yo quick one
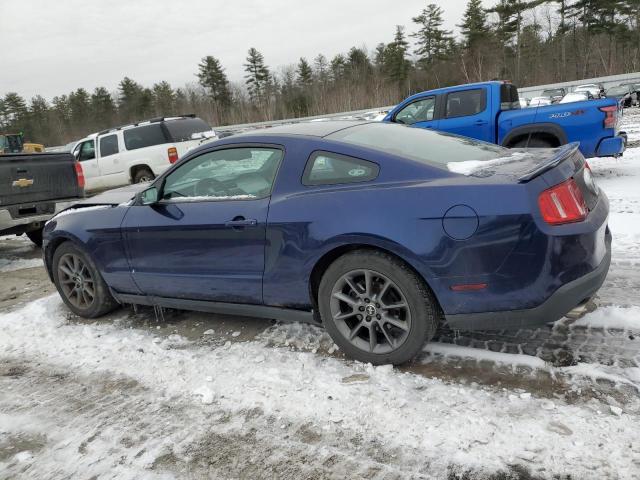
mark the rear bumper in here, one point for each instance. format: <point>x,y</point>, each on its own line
<point>564,299</point>
<point>612,146</point>
<point>21,224</point>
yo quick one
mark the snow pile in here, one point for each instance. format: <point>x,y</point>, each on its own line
<point>13,264</point>
<point>436,422</point>
<point>470,167</point>
<point>613,317</point>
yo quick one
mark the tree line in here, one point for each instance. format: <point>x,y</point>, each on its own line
<point>528,42</point>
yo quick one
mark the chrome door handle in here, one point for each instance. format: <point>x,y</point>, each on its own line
<point>242,222</point>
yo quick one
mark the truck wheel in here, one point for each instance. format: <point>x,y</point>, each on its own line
<point>36,236</point>
<point>143,175</point>
<point>532,143</point>
<point>376,309</point>
<point>79,282</point>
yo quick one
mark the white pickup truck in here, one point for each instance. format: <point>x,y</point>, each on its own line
<point>138,152</point>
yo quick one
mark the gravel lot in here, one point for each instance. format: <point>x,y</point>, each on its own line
<point>190,395</point>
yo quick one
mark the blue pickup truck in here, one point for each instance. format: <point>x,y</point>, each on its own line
<point>490,111</point>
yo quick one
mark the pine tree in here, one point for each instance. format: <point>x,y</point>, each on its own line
<point>321,68</point>
<point>212,77</point>
<point>304,74</point>
<point>130,100</point>
<point>102,107</point>
<point>473,28</point>
<point>258,76</point>
<point>164,99</point>
<point>433,42</point>
<point>337,67</point>
<point>395,58</point>
<point>13,111</point>
<point>79,102</point>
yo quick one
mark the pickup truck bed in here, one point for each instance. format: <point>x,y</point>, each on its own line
<point>34,187</point>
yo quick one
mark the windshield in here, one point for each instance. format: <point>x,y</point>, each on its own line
<point>181,129</point>
<point>435,148</point>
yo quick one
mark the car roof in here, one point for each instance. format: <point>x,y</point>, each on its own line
<point>312,129</point>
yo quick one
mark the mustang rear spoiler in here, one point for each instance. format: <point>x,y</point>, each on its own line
<point>562,154</point>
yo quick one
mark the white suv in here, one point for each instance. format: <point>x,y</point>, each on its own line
<point>138,152</point>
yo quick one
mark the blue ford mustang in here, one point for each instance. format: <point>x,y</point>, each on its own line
<point>378,231</point>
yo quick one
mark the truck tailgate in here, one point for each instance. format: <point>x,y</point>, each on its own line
<point>40,177</point>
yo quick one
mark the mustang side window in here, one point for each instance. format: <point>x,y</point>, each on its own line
<point>418,111</point>
<point>325,168</point>
<point>233,174</point>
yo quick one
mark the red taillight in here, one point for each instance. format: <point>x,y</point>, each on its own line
<point>563,203</point>
<point>610,116</point>
<point>79,175</point>
<point>173,154</point>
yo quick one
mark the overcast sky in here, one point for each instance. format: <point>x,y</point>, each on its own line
<point>51,47</point>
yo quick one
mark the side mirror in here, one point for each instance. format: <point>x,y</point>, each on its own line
<point>148,196</point>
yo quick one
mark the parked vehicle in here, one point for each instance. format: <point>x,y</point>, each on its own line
<point>595,89</point>
<point>554,94</point>
<point>635,88</point>
<point>540,101</point>
<point>577,97</point>
<point>34,187</point>
<point>623,94</point>
<point>490,111</point>
<point>138,152</point>
<point>14,143</point>
<point>379,231</point>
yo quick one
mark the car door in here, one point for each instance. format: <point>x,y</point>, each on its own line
<point>466,113</point>
<point>85,153</point>
<point>418,113</point>
<point>111,168</point>
<point>204,239</point>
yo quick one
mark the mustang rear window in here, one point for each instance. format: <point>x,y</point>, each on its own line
<point>435,148</point>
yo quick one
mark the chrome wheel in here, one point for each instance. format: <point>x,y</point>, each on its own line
<point>76,281</point>
<point>370,311</point>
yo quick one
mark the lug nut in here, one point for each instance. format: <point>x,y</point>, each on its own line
<point>366,300</point>
<point>361,308</point>
<point>377,305</point>
<point>378,316</point>
<point>368,318</point>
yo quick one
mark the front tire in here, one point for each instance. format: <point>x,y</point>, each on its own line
<point>376,309</point>
<point>143,175</point>
<point>79,282</point>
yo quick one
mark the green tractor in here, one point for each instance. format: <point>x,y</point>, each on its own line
<point>14,143</point>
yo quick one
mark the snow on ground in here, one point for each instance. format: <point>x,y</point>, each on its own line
<point>429,424</point>
<point>14,249</point>
<point>105,400</point>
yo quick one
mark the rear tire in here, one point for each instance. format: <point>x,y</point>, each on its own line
<point>79,282</point>
<point>143,175</point>
<point>36,236</point>
<point>532,143</point>
<point>376,309</point>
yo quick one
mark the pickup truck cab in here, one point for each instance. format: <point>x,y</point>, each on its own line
<point>138,152</point>
<point>490,111</point>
